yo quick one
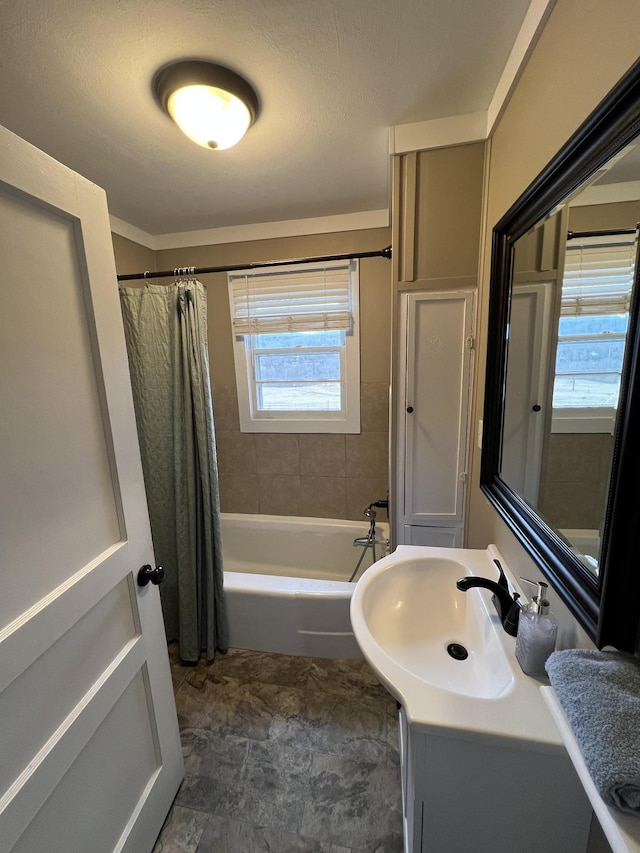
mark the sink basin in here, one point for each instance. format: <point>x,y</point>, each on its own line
<point>411,610</point>
<point>406,611</point>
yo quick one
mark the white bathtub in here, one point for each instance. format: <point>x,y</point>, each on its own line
<point>285,582</point>
<point>586,544</point>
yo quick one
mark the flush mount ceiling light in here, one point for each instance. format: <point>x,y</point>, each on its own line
<point>213,105</point>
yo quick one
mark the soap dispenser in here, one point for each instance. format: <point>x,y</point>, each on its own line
<point>537,631</point>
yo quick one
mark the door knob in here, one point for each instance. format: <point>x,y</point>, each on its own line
<point>536,408</point>
<point>148,573</point>
<point>409,409</point>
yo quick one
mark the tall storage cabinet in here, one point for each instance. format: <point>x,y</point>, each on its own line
<point>435,347</point>
<point>437,211</point>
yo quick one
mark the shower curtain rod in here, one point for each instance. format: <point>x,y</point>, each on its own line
<point>189,271</point>
<point>612,232</point>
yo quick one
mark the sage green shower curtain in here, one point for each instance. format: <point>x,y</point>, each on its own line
<point>166,333</point>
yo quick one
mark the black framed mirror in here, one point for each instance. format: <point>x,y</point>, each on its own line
<point>561,438</point>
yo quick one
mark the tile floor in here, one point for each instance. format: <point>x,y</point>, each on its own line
<point>284,755</point>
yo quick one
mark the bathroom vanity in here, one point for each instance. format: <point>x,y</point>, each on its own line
<point>484,768</point>
<point>463,794</point>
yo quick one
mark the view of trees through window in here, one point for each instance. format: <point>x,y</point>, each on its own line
<point>589,360</point>
<point>298,371</point>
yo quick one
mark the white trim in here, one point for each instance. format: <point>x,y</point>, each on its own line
<point>438,133</point>
<point>533,24</point>
<point>347,421</point>
<point>132,232</point>
<point>607,194</point>
<point>361,221</point>
<point>600,421</point>
<point>272,230</point>
<point>477,126</point>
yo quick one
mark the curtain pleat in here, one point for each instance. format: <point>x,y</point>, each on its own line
<point>166,334</point>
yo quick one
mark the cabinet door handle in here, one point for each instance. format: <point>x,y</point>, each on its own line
<point>409,409</point>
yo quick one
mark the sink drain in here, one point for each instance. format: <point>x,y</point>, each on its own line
<point>457,651</point>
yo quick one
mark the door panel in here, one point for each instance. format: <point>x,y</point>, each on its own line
<point>102,634</point>
<point>526,387</point>
<point>54,423</point>
<point>88,729</point>
<point>433,416</point>
<point>436,537</point>
<point>120,782</point>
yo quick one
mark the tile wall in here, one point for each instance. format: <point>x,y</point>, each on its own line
<point>575,479</point>
<point>318,475</point>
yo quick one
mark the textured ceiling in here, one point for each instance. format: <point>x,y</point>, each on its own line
<point>332,77</point>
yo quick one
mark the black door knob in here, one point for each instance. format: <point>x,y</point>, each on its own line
<point>536,408</point>
<point>148,573</point>
<point>409,409</point>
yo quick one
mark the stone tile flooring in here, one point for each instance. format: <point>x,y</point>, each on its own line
<point>284,755</point>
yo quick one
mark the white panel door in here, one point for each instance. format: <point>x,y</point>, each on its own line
<point>89,743</point>
<point>436,537</point>
<point>526,394</point>
<point>436,341</point>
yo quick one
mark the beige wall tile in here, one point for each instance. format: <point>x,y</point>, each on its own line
<point>362,491</point>
<point>606,456</point>
<point>573,457</point>
<point>368,455</point>
<point>322,455</point>
<point>323,497</point>
<point>573,505</point>
<point>239,493</point>
<point>279,494</point>
<point>277,453</point>
<point>236,452</point>
<point>225,407</point>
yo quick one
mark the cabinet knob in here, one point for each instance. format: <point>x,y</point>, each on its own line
<point>409,409</point>
<point>536,408</point>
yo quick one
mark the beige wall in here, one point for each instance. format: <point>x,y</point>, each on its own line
<point>131,257</point>
<point>584,49</point>
<point>437,209</point>
<point>334,476</point>
<point>437,213</point>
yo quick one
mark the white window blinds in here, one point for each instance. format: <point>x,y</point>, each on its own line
<point>300,299</point>
<point>598,276</point>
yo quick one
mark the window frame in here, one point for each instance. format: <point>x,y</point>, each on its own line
<point>347,420</point>
<point>593,419</point>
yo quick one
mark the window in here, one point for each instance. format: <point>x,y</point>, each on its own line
<point>594,315</point>
<point>296,347</point>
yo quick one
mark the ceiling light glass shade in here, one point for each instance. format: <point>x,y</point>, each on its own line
<point>211,117</point>
<point>211,104</point>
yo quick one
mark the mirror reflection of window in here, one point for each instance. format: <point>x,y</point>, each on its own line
<point>569,314</point>
<point>594,316</point>
<point>596,287</point>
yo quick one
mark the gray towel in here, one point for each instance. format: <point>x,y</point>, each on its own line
<point>600,694</point>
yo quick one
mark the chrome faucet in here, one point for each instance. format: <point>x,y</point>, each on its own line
<point>507,606</point>
<point>368,541</point>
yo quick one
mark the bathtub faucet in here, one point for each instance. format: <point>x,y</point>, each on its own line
<point>507,606</point>
<point>369,511</point>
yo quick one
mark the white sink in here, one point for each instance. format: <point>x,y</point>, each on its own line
<point>413,612</point>
<point>406,611</point>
